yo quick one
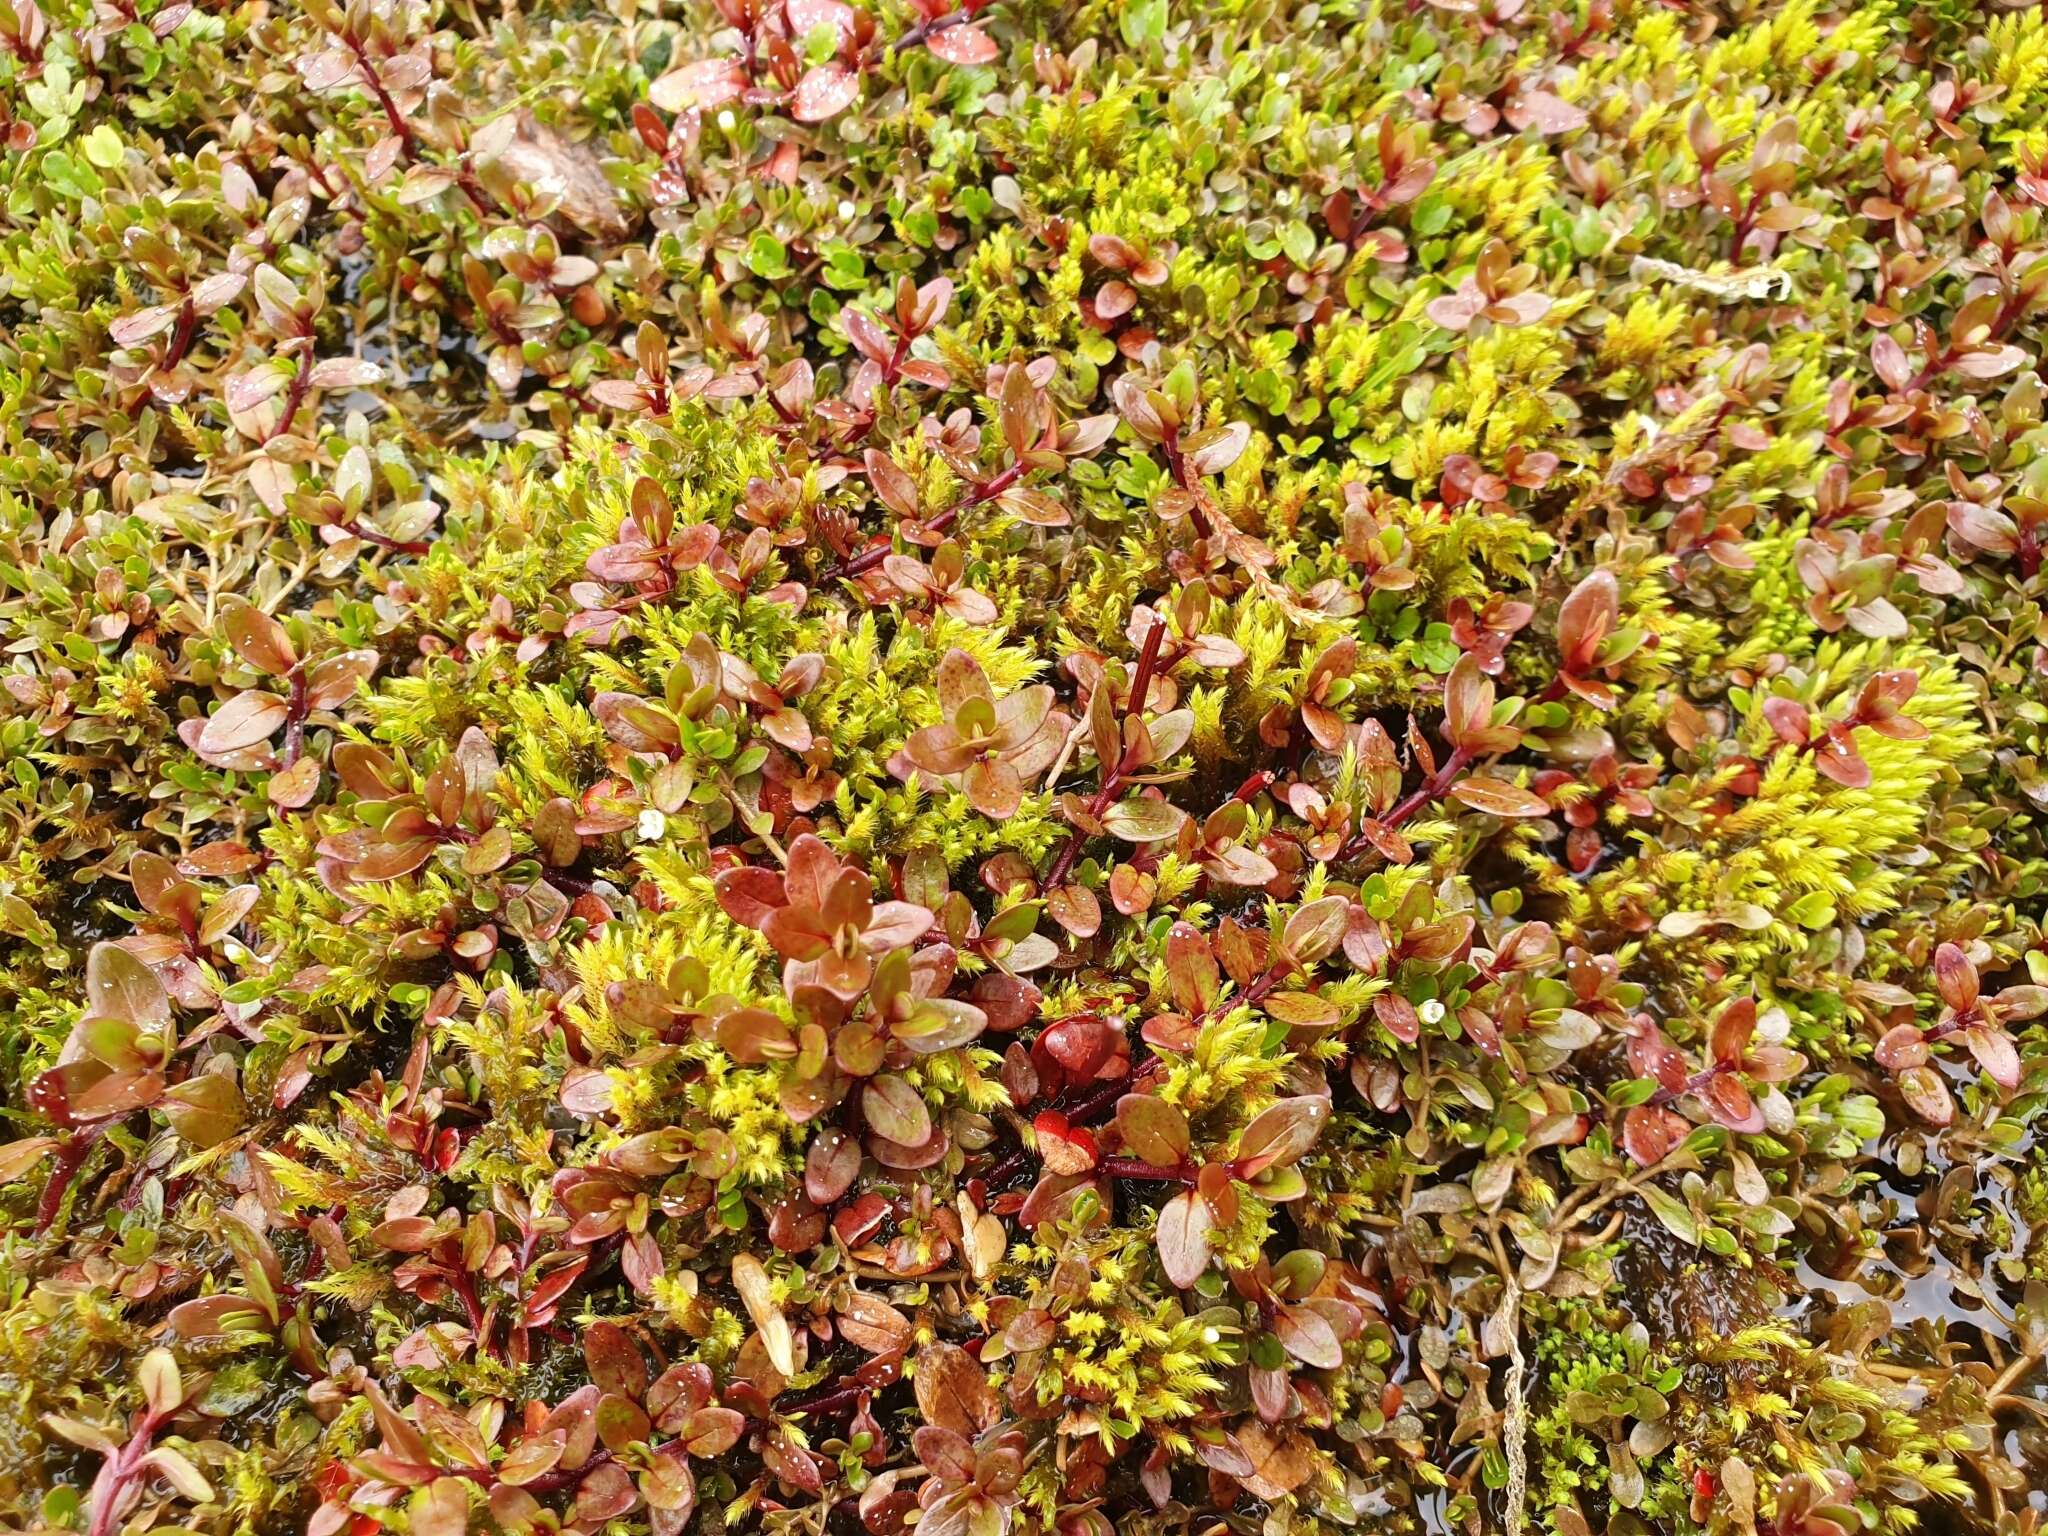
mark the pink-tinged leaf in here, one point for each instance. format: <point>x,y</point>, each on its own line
<point>1497,797</point>
<point>1182,1238</point>
<point>614,1360</point>
<point>1650,1134</point>
<point>1788,719</point>
<point>1837,759</point>
<point>1308,1336</point>
<point>962,45</point>
<point>333,682</point>
<point>1545,112</point>
<point>1990,362</point>
<point>712,1431</point>
<point>1281,1134</point>
<point>1398,1017</point>
<point>119,986</point>
<point>1076,909</point>
<point>830,1166</point>
<point>1455,311</point>
<point>620,395</point>
<point>143,324</point>
<point>1729,1099</point>
<point>1215,449</point>
<point>17,1158</point>
<point>698,87</point>
<point>1732,1029</point>
<point>212,1317</point>
<point>586,1092</point>
<point>1927,1095</point>
<point>242,722</point>
<point>1235,864</point>
<point>1888,361</point>
<point>1956,977</point>
<point>2025,1001</point>
<point>1984,528</point>
<point>750,894</point>
<point>344,373</point>
<point>1902,1047</point>
<point>531,1457</point>
<point>506,367</point>
<point>896,1111</point>
<point>1996,1054</point>
<point>868,338</point>
<point>1468,702</point>
<point>953,1391</point>
<point>1141,820</point>
<point>257,638</point>
<point>893,488</point>
<point>1588,616</point>
<point>806,16</point>
<point>1153,1130</point>
<point>1315,929</point>
<point>824,92</point>
<point>221,289</point>
<point>325,70</point>
<point>1114,300</point>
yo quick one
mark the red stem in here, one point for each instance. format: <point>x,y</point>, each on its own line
<point>385,541</point>
<point>302,379</point>
<point>1132,1168</point>
<point>392,115</point>
<point>873,556</point>
<point>1112,775</point>
<point>1432,787</point>
<point>295,717</point>
<point>117,1472</point>
<point>1171,443</point>
<point>181,338</point>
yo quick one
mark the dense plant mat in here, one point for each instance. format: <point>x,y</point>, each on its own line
<point>1104,767</point>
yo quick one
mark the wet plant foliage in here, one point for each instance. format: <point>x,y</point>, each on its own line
<point>1117,768</point>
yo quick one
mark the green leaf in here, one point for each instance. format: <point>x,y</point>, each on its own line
<point>1142,821</point>
<point>103,147</point>
<point>1675,1214</point>
<point>1143,22</point>
<point>767,257</point>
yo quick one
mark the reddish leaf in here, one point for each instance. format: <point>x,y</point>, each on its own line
<point>953,1391</point>
<point>1182,1237</point>
<point>244,721</point>
<point>824,92</point>
<point>1996,1054</point>
<point>1308,1336</point>
<point>698,87</point>
<point>1927,1095</point>
<point>1064,1148</point>
<point>1496,797</point>
<point>896,1111</point>
<point>1153,1130</point>
<point>1732,1029</point>
<point>1956,977</point>
<point>1281,1135</point>
<point>830,1166</point>
<point>1728,1097</point>
<point>962,45</point>
<point>1650,1134</point>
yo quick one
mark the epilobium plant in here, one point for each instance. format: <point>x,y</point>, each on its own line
<point>966,768</point>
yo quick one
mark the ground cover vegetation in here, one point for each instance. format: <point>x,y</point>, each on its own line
<point>818,767</point>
